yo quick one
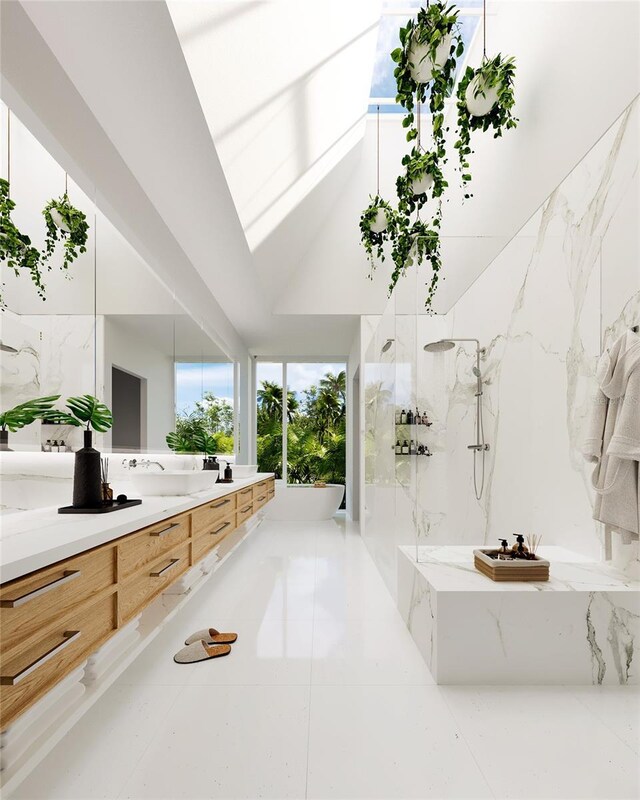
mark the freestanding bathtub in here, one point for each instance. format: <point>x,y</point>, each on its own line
<point>300,503</point>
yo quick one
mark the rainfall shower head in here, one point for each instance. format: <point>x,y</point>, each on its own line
<point>387,345</point>
<point>440,346</point>
<point>6,348</point>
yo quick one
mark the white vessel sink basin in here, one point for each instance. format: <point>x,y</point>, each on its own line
<point>172,482</point>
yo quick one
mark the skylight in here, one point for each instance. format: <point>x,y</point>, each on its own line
<point>394,16</point>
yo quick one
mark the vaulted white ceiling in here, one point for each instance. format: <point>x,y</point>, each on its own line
<point>228,141</point>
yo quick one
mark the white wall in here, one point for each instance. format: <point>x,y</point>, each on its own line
<point>138,356</point>
<point>569,283</point>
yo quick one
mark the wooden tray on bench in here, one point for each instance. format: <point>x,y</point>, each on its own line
<point>513,570</point>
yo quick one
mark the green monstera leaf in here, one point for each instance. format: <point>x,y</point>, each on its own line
<point>24,414</point>
<point>90,411</point>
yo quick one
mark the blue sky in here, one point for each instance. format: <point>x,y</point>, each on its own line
<point>194,379</point>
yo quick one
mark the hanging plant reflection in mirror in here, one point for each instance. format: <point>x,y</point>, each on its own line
<point>485,100</point>
<point>378,223</point>
<point>430,45</point>
<point>67,224</point>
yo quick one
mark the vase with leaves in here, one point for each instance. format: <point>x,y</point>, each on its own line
<point>88,412</point>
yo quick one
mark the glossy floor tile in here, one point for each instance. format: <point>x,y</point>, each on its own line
<point>325,695</point>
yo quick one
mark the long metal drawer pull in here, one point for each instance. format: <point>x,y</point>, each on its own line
<point>246,491</point>
<point>221,528</point>
<point>69,575</point>
<point>11,680</point>
<point>244,510</point>
<point>169,566</point>
<point>219,505</point>
<point>165,530</point>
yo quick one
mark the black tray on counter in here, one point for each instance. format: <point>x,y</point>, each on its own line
<point>113,506</point>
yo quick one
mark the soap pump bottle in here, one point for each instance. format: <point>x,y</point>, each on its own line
<point>228,473</point>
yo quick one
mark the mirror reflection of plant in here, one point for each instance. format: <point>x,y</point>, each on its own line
<point>496,73</point>
<point>373,241</point>
<point>67,224</point>
<point>416,243</point>
<point>430,28</point>
<point>418,164</point>
<point>211,418</point>
<point>16,250</point>
<point>25,413</point>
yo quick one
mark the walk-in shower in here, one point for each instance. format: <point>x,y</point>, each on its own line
<point>480,446</point>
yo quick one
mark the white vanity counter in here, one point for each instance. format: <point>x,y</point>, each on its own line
<point>30,540</point>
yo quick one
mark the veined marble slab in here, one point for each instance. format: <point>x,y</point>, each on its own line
<point>577,628</point>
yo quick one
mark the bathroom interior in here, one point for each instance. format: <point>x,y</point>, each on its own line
<point>319,433</point>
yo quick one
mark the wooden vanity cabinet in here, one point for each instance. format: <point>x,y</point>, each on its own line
<point>52,619</point>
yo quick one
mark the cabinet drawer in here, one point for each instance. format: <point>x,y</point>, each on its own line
<point>140,549</point>
<point>32,604</point>
<point>244,512</point>
<point>30,672</point>
<point>260,489</point>
<point>204,517</point>
<point>140,589</point>
<point>244,496</point>
<point>206,540</point>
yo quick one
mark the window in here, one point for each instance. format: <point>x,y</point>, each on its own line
<point>205,401</point>
<point>309,444</point>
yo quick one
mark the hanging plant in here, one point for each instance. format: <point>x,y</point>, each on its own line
<point>67,224</point>
<point>430,44</point>
<point>16,250</point>
<point>377,225</point>
<point>485,100</point>
<point>422,179</point>
<point>415,244</point>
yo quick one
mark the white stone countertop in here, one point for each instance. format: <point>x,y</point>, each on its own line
<point>30,540</point>
<point>450,568</point>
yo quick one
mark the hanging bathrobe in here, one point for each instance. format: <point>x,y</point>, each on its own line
<point>614,436</point>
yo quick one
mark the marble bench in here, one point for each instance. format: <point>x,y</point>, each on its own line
<point>577,628</point>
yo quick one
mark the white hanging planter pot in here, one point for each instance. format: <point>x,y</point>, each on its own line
<point>422,185</point>
<point>423,64</point>
<point>481,104</point>
<point>58,221</point>
<point>380,223</point>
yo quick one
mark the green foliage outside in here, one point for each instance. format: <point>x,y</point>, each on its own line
<point>316,429</point>
<point>208,428</point>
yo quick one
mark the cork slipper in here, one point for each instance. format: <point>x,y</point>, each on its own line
<point>212,636</point>
<point>199,651</point>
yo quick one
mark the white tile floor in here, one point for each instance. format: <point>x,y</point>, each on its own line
<point>326,696</point>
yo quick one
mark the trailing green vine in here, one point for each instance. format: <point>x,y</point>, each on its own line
<point>16,250</point>
<point>67,224</point>
<point>373,240</point>
<point>495,74</point>
<point>416,68</point>
<point>415,244</point>
<point>418,164</point>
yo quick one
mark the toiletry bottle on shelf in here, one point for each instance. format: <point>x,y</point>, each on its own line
<point>403,417</point>
<point>398,447</point>
<point>409,417</point>
<point>54,446</point>
<point>47,446</point>
<point>62,447</point>
<point>417,418</point>
<point>425,419</point>
<point>412,448</point>
<point>405,448</point>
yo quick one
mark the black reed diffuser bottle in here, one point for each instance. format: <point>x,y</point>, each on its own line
<point>87,478</point>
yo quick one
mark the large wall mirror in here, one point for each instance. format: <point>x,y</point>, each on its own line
<point>104,325</point>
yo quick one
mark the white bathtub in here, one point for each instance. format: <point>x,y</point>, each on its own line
<point>301,503</point>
